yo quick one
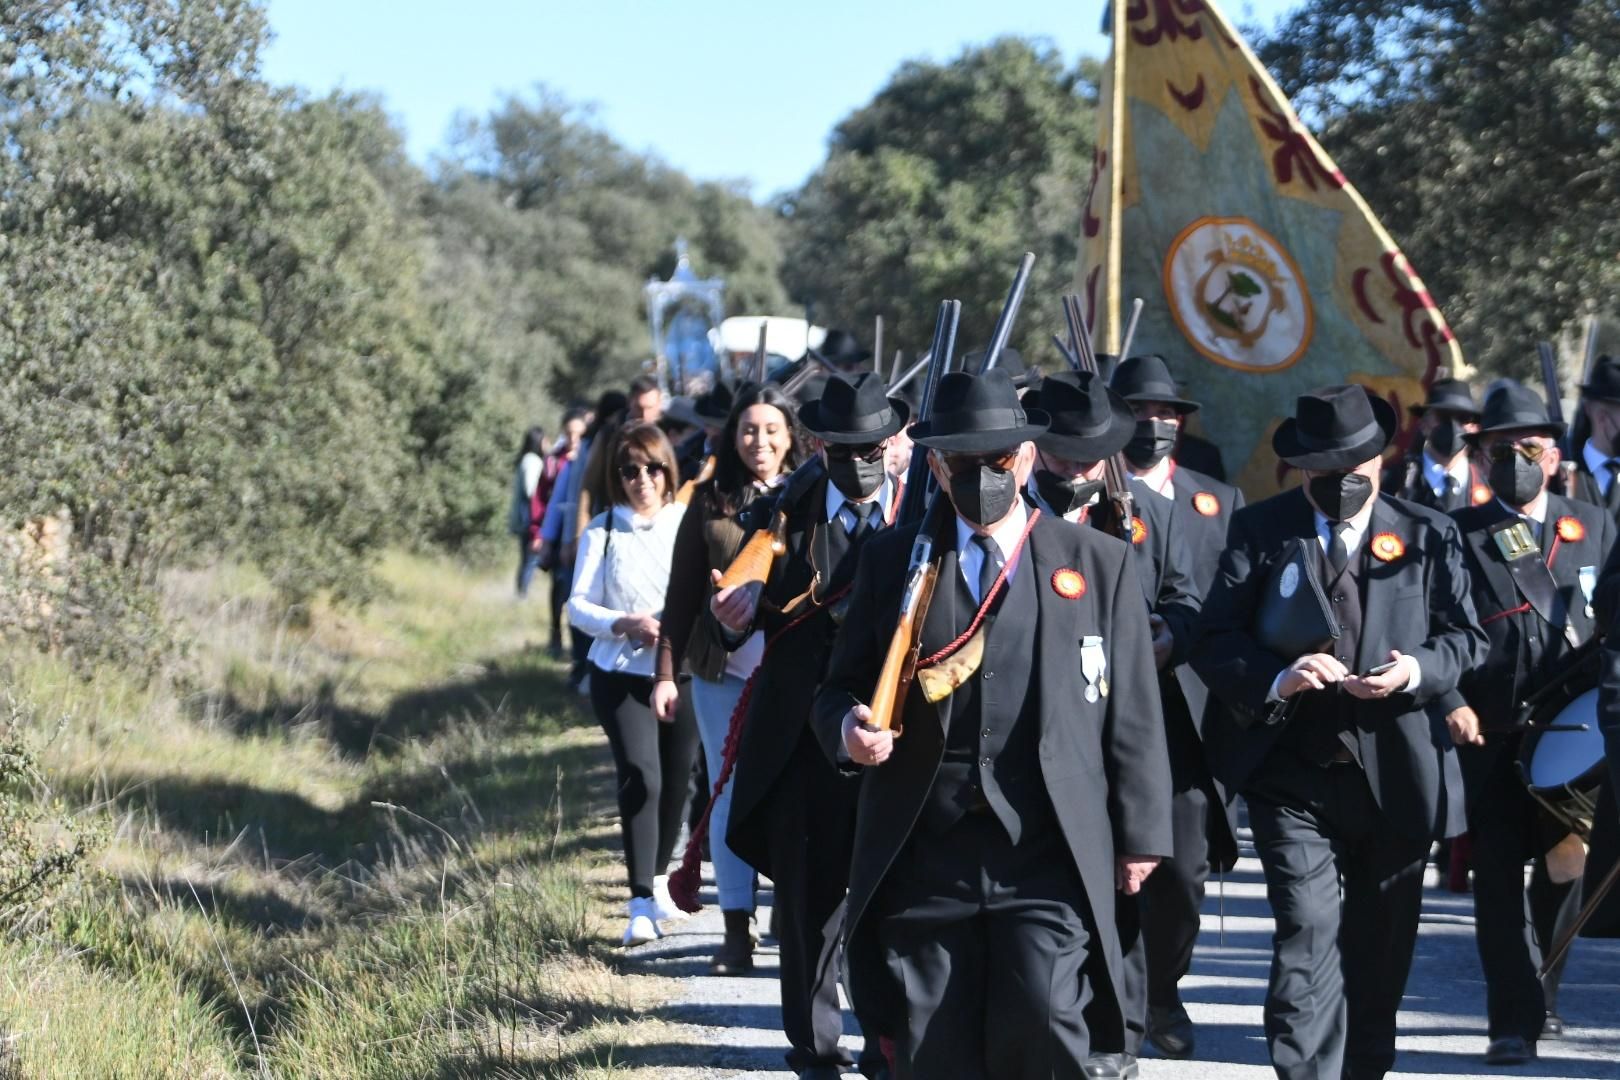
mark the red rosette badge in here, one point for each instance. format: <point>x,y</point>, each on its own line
<point>1387,547</point>
<point>1570,530</point>
<point>1068,583</point>
<point>1138,530</point>
<point>1206,503</point>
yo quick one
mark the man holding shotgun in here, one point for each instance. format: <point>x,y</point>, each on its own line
<point>1031,781</point>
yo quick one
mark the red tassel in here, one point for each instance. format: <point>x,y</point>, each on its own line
<point>688,877</point>
<point>886,1045</point>
<point>1462,854</point>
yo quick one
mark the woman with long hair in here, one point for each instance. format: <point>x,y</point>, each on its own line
<point>563,453</point>
<point>760,445</point>
<point>620,576</point>
<point>528,508</point>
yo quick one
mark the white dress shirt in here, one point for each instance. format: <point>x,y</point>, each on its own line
<point>969,556</point>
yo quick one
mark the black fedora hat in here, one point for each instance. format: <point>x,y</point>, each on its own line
<point>1012,362</point>
<point>1603,382</point>
<point>1451,395</point>
<point>977,414</point>
<point>841,349</point>
<point>1336,427</point>
<point>1087,419</point>
<point>714,405</point>
<point>1148,378</point>
<point>854,410</point>
<point>1513,406</point>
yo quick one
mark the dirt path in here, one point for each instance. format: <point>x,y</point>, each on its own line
<point>729,1027</point>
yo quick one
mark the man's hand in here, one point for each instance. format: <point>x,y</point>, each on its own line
<point>1375,687</point>
<point>864,745</point>
<point>1131,870</point>
<point>1163,640</point>
<point>734,607</point>
<point>1313,671</point>
<point>641,628</point>
<point>665,696</point>
<point>1464,726</point>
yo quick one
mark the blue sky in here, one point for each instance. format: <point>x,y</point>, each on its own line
<point>723,89</point>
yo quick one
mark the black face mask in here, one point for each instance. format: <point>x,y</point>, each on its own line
<point>1446,439</point>
<point>983,495</point>
<point>1340,495</point>
<point>1065,495</point>
<point>855,478</point>
<point>1516,481</point>
<point>1152,443</point>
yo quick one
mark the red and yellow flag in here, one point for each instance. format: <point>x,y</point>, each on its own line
<point>1264,272</point>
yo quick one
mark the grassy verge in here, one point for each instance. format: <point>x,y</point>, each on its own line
<point>338,843</point>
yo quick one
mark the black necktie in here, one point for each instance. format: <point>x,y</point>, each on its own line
<point>1534,526</point>
<point>989,567</point>
<point>1611,499</point>
<point>1338,554</point>
<point>1452,500</point>
<point>864,513</point>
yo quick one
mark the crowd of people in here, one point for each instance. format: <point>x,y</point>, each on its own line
<point>1114,655</point>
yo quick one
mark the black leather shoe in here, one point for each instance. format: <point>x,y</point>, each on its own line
<point>1552,1027</point>
<point>1509,1050</point>
<point>1113,1067</point>
<point>822,1072</point>
<point>1171,1031</point>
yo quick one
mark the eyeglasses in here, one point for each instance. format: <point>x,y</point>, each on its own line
<point>960,463</point>
<point>1531,451</point>
<point>837,452</point>
<point>630,470</point>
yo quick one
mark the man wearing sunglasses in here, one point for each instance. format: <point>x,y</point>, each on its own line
<point>1534,558</point>
<point>1031,781</point>
<point>792,809</point>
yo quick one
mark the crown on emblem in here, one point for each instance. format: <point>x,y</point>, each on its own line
<point>1244,251</point>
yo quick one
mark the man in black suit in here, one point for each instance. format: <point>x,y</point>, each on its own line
<point>793,810</point>
<point>990,839</point>
<point>1440,473</point>
<point>1333,747</point>
<point>1197,510</point>
<point>1533,558</point>
<point>1089,424</point>
<point>1597,459</point>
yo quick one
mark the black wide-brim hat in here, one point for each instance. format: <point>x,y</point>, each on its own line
<point>1603,383</point>
<point>1148,378</point>
<point>1011,361</point>
<point>840,348</point>
<point>1337,427</point>
<point>714,406</point>
<point>1449,395</point>
<point>977,414</point>
<point>1512,406</point>
<point>854,411</point>
<point>1087,419</point>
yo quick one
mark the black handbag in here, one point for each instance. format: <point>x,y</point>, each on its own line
<point>1294,617</point>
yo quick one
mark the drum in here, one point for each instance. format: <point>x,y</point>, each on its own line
<point>1561,760</point>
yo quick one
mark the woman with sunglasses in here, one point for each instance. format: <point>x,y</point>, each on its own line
<point>757,450</point>
<point>618,599</point>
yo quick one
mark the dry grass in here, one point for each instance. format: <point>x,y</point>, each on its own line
<point>370,843</point>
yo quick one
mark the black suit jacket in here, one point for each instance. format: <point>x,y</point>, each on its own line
<point>1495,687</point>
<point>1103,763</point>
<point>786,682</point>
<point>1418,602</point>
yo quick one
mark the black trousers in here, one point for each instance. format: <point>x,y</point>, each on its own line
<point>812,837</point>
<point>1511,925</point>
<point>989,941</point>
<point>1159,926</point>
<point>1345,888</point>
<point>653,762</point>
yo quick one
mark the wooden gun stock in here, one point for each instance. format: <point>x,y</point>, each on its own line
<point>753,563</point>
<point>683,494</point>
<point>900,663</point>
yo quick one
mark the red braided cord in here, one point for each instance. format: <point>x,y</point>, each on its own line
<point>984,605</point>
<point>684,882</point>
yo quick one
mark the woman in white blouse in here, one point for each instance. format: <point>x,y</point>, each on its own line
<point>618,599</point>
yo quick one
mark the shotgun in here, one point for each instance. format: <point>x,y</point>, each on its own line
<point>683,494</point>
<point>1116,481</point>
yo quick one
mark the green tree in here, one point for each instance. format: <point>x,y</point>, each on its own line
<point>1486,135</point>
<point>937,186</point>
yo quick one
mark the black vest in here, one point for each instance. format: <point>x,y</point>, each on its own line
<point>992,758</point>
<point>1323,722</point>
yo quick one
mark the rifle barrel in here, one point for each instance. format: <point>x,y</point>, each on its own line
<point>1009,312</point>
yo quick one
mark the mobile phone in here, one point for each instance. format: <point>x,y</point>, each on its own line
<point>1381,669</point>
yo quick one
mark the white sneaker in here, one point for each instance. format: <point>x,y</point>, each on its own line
<point>667,911</point>
<point>642,927</point>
